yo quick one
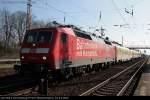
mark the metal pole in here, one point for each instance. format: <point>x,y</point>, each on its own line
<point>43,85</point>
<point>45,89</point>
<point>102,31</point>
<point>122,40</point>
<point>29,16</point>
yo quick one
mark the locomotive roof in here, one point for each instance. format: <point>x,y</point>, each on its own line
<point>78,32</point>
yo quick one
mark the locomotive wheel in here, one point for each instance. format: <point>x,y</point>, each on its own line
<point>98,68</point>
<point>105,66</point>
<point>108,65</point>
<point>102,66</point>
<point>88,69</point>
<point>66,73</point>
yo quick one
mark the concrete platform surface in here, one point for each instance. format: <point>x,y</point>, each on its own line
<point>143,88</point>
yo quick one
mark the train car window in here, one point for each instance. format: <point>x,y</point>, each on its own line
<point>63,38</point>
<point>82,35</point>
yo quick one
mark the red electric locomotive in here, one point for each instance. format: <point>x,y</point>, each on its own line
<point>64,49</point>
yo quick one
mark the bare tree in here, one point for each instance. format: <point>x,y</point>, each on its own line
<point>19,27</point>
<point>8,27</point>
<point>13,28</point>
<point>38,24</point>
<point>7,24</point>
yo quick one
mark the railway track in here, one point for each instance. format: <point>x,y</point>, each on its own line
<point>117,84</point>
<point>85,79</point>
<point>21,92</point>
<point>12,83</point>
<point>78,85</point>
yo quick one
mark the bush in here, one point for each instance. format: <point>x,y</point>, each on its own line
<point>1,49</point>
<point>11,51</point>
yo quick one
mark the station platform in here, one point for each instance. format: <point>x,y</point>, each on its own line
<point>143,88</point>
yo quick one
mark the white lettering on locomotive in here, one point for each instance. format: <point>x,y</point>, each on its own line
<point>86,48</point>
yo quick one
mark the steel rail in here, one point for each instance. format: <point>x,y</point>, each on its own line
<point>108,80</point>
<point>129,82</point>
<point>20,93</point>
<point>17,84</point>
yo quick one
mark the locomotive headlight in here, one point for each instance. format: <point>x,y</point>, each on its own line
<point>22,57</point>
<point>44,58</point>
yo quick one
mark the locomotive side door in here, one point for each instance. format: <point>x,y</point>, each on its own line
<point>64,49</point>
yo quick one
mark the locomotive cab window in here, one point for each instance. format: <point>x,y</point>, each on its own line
<point>63,38</point>
<point>38,37</point>
<point>44,37</point>
<point>30,39</point>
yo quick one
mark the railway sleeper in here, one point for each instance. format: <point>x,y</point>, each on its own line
<point>96,67</point>
<point>103,94</point>
<point>107,89</point>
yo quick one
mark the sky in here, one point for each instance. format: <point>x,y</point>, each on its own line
<point>86,13</point>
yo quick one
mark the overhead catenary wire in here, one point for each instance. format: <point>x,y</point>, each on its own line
<point>134,20</point>
<point>65,13</point>
<point>133,6</point>
<point>138,2</point>
<point>99,20</point>
<point>121,15</point>
<point>69,13</point>
<point>117,9</point>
